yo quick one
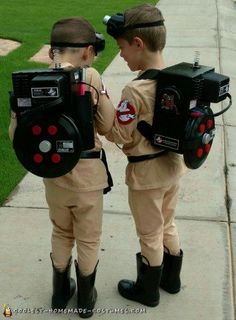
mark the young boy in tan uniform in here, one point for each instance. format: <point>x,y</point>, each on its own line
<point>75,200</point>
<point>152,175</point>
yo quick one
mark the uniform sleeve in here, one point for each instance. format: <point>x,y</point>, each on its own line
<point>105,114</point>
<point>125,119</point>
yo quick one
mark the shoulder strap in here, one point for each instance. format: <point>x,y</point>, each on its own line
<point>151,74</point>
<point>144,128</point>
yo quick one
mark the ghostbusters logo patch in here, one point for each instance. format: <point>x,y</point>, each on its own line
<point>125,112</point>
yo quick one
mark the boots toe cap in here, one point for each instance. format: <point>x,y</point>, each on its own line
<point>125,285</point>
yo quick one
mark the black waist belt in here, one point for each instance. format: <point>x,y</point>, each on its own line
<point>146,156</point>
<point>91,154</point>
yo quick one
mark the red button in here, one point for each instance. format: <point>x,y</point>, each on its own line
<point>38,158</point>
<point>207,147</point>
<point>209,124</point>
<point>56,158</point>
<point>199,152</point>
<point>36,130</point>
<point>201,128</point>
<point>52,130</point>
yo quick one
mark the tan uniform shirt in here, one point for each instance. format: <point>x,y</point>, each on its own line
<point>88,174</point>
<point>137,103</point>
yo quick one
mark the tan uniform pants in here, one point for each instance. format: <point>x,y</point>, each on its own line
<point>153,212</point>
<point>76,217</point>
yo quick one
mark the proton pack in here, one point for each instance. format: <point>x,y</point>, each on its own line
<point>54,119</point>
<point>183,121</point>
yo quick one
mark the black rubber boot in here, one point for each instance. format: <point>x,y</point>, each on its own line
<point>170,279</point>
<point>63,287</point>
<point>86,292</point>
<point>146,288</point>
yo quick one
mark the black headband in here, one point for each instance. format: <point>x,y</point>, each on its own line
<point>116,25</point>
<point>99,44</point>
<point>145,25</point>
<point>71,44</point>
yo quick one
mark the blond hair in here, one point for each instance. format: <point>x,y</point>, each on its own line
<point>155,36</point>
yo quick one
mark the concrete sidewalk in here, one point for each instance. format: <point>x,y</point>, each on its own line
<point>206,213</point>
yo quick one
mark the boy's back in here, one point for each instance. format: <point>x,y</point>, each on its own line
<point>137,104</point>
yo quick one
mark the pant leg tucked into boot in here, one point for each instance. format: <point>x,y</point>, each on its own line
<point>63,286</point>
<point>86,292</point>
<point>170,279</point>
<point>146,288</point>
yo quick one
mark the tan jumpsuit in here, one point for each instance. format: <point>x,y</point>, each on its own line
<point>152,184</point>
<point>75,200</point>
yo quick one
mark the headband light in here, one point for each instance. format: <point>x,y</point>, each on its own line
<point>116,25</point>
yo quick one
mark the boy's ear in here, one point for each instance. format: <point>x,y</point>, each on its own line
<point>88,51</point>
<point>50,53</point>
<point>91,49</point>
<point>138,42</point>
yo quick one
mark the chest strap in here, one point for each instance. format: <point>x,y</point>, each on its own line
<point>91,154</point>
<point>146,156</point>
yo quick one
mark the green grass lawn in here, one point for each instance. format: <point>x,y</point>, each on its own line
<point>30,23</point>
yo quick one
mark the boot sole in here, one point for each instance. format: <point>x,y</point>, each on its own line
<point>171,291</point>
<point>146,303</point>
<point>86,315</point>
